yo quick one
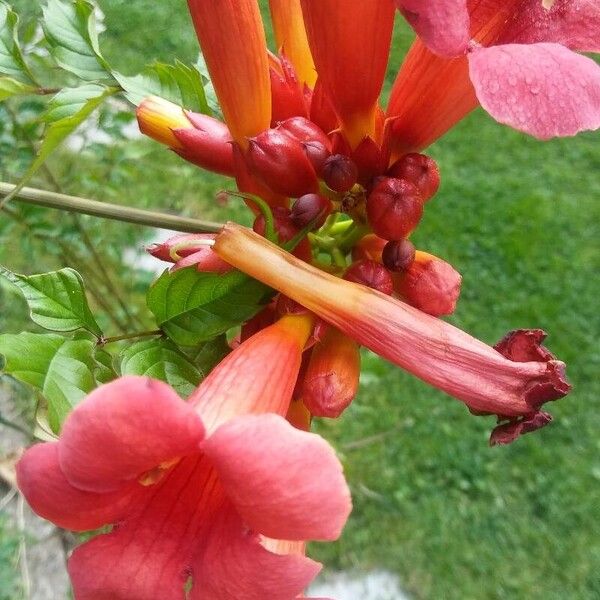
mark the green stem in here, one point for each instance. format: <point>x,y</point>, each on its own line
<point>109,211</point>
<point>129,336</point>
<point>352,236</point>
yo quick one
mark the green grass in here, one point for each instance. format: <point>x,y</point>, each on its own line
<point>455,519</point>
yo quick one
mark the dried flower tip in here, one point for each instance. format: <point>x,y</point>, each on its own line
<point>339,173</point>
<point>397,256</point>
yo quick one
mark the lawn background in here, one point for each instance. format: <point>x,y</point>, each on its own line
<point>452,517</point>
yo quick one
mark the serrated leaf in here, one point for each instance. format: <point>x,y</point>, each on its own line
<point>61,369</point>
<point>70,29</point>
<point>12,62</point>
<point>209,88</point>
<point>178,83</point>
<point>68,110</point>
<point>161,359</point>
<point>193,307</point>
<point>11,87</point>
<point>56,300</point>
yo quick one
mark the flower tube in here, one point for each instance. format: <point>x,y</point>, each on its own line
<point>513,381</point>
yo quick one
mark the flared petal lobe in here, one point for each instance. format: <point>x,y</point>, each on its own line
<point>285,483</point>
<point>431,349</point>
<point>52,497</point>
<point>234,46</point>
<point>443,25</point>
<point>350,42</point>
<point>124,429</point>
<point>542,89</point>
<point>268,384</point>
<point>290,35</point>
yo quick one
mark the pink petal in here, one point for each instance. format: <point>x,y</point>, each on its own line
<point>125,429</point>
<point>572,23</point>
<point>285,483</point>
<point>443,25</point>
<point>542,89</point>
<point>150,554</point>
<point>235,566</point>
<point>53,498</point>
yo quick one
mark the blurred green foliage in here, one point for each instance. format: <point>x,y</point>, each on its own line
<point>520,219</point>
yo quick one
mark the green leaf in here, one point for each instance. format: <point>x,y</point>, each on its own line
<point>61,369</point>
<point>193,307</point>
<point>70,29</point>
<point>12,62</point>
<point>11,87</point>
<point>105,369</point>
<point>56,300</point>
<point>67,111</point>
<point>178,83</point>
<point>161,359</point>
<point>209,88</point>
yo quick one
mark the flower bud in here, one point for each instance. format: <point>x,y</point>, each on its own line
<point>371,274</point>
<point>394,208</point>
<point>317,153</point>
<point>279,160</point>
<point>430,284</point>
<point>398,256</point>
<point>421,170</point>
<point>310,208</point>
<point>339,173</point>
<point>287,93</point>
<point>303,130</point>
<point>370,247</point>
<point>332,377</point>
<point>286,230</point>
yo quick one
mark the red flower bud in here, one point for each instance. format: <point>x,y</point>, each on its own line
<point>332,377</point>
<point>309,208</point>
<point>398,256</point>
<point>317,153</point>
<point>420,170</point>
<point>371,274</point>
<point>369,247</point>
<point>430,284</point>
<point>279,160</point>
<point>287,92</point>
<point>304,130</point>
<point>286,230</point>
<point>339,173</point>
<point>394,208</point>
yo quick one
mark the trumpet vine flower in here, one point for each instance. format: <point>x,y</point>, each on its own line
<point>198,491</point>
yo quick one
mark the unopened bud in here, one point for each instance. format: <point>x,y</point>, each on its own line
<point>303,130</point>
<point>370,247</point>
<point>371,274</point>
<point>279,160</point>
<point>339,173</point>
<point>394,208</point>
<point>317,153</point>
<point>398,256</point>
<point>421,170</point>
<point>332,377</point>
<point>311,208</point>
<point>430,284</point>
<point>286,230</point>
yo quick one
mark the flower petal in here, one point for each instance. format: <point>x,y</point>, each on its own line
<point>234,565</point>
<point>285,483</point>
<point>542,89</point>
<point>150,554</point>
<point>234,46</point>
<point>350,42</point>
<point>248,380</point>
<point>572,23</point>
<point>52,497</point>
<point>443,25</point>
<point>431,349</point>
<point>124,429</point>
